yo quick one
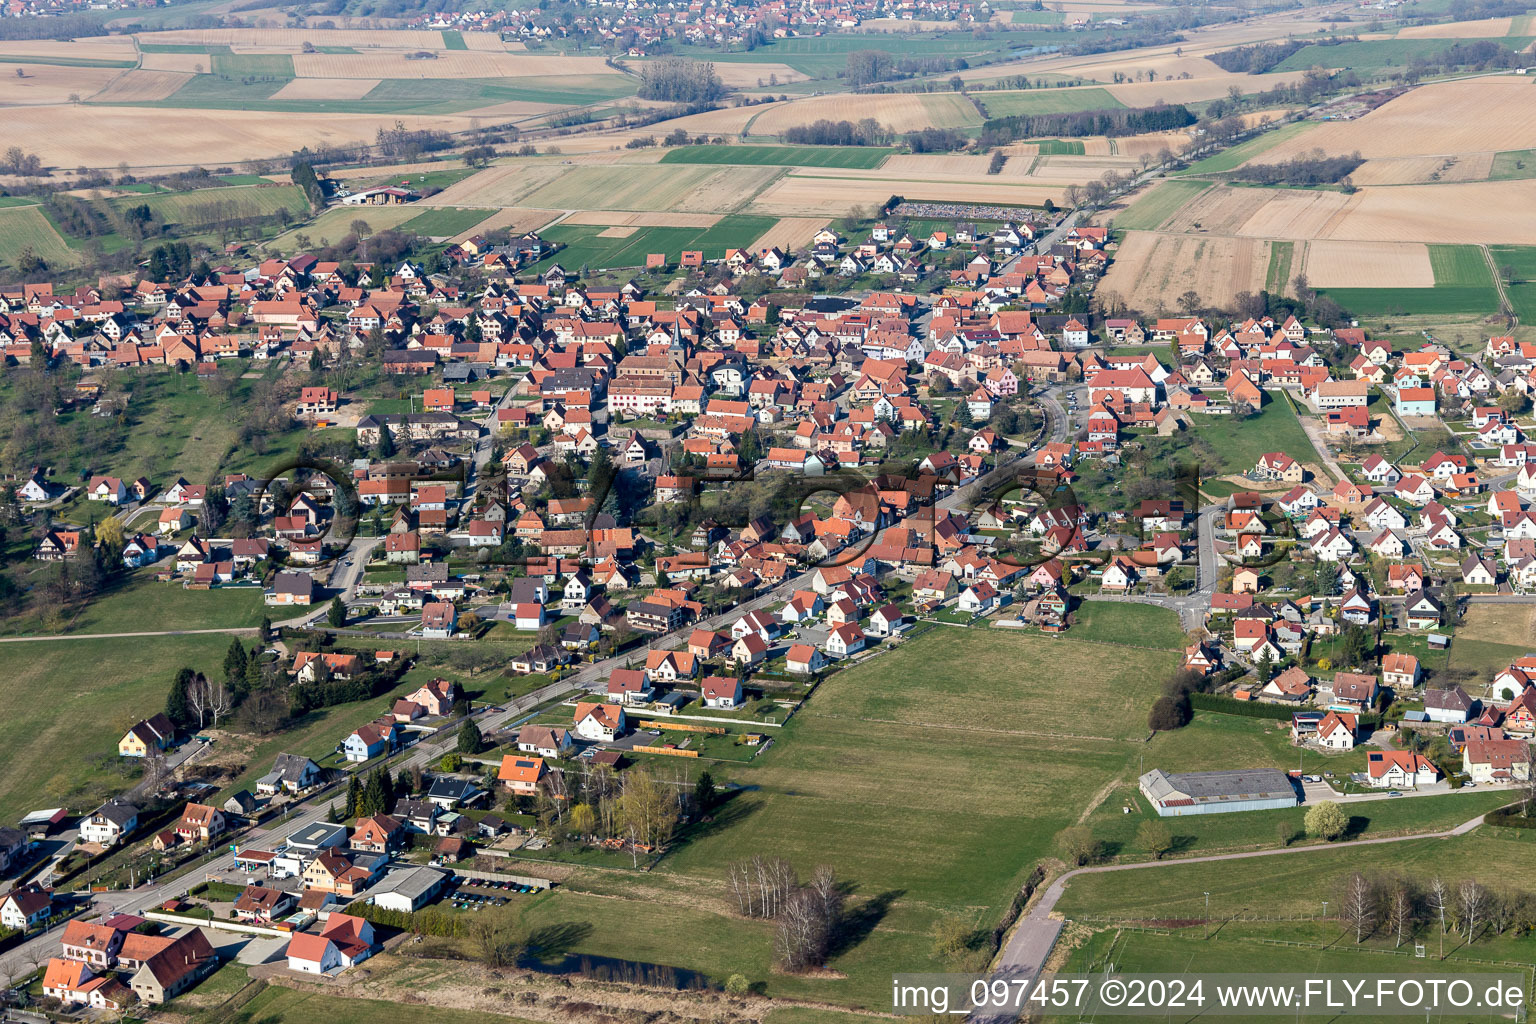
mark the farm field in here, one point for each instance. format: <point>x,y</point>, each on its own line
<point>609,247</point>
<point>784,156</point>
<point>1282,256</point>
<point>1521,287</point>
<point>1516,163</point>
<point>650,187</point>
<point>900,112</point>
<point>72,135</point>
<point>445,221</point>
<point>804,193</point>
<point>1331,264</point>
<point>1153,268</point>
<point>26,227</point>
<point>1157,204</point>
<point>1374,55</point>
<point>1047,101</point>
<point>1236,156</point>
<point>1462,283</point>
<point>1460,117</point>
<point>335,223</point>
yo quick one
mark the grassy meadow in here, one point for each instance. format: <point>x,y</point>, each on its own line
<point>863,157</point>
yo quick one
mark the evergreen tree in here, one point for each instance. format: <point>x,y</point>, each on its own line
<point>253,676</point>
<point>387,787</point>
<point>704,793</point>
<point>375,796</point>
<point>354,797</point>
<point>470,740</point>
<point>235,660</point>
<point>384,448</point>
<point>332,814</point>
<point>177,708</point>
<point>337,614</point>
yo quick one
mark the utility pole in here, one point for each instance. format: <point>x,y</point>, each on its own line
<point>1207,915</point>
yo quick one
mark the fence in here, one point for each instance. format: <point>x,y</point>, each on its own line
<point>497,876</point>
<point>668,751</point>
<point>680,727</point>
<point>217,925</point>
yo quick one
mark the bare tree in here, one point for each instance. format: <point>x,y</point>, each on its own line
<point>1399,909</point>
<point>1473,900</point>
<point>1438,892</point>
<point>1359,906</point>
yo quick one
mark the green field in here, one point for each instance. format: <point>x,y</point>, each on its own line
<point>1375,55</point>
<point>1239,444</point>
<point>62,749</point>
<point>1158,204</point>
<point>26,227</point>
<point>123,608</point>
<point>447,221</point>
<point>1231,159</point>
<point>188,208</point>
<point>1036,17</point>
<point>1463,284</point>
<point>253,65</point>
<point>1278,277</point>
<point>67,62</point>
<point>1046,101</point>
<point>182,48</point>
<point>1120,622</point>
<point>1059,147</point>
<point>1515,163</point>
<point>585,247</point>
<point>1521,260</point>
<point>454,40</point>
<point>780,156</point>
<point>253,88</point>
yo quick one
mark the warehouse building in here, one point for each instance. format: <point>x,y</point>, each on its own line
<point>1242,789</point>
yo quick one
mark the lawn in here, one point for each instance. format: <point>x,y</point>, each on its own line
<point>1240,442</point>
<point>1158,204</point>
<point>864,157</point>
<point>585,244</point>
<point>454,40</point>
<point>138,603</point>
<point>25,227</point>
<point>1123,622</point>
<point>194,207</point>
<point>1045,101</point>
<point>1236,156</point>
<point>444,222</point>
<point>70,701</point>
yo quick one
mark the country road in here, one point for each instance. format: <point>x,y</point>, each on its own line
<point>1031,942</point>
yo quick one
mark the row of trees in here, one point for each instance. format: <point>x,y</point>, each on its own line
<point>1315,168</point>
<point>865,132</point>
<point>1161,117</point>
<point>1402,907</point>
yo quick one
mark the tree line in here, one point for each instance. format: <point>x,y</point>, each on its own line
<point>677,80</point>
<point>1258,58</point>
<point>1131,121</point>
<point>865,132</point>
<point>1315,168</point>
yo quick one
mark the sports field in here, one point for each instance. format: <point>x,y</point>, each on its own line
<point>784,156</point>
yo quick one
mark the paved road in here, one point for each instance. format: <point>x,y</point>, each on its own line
<point>1033,938</point>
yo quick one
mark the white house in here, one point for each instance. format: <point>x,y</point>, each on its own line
<point>1337,731</point>
<point>845,640</point>
<point>722,692</point>
<point>1398,769</point>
